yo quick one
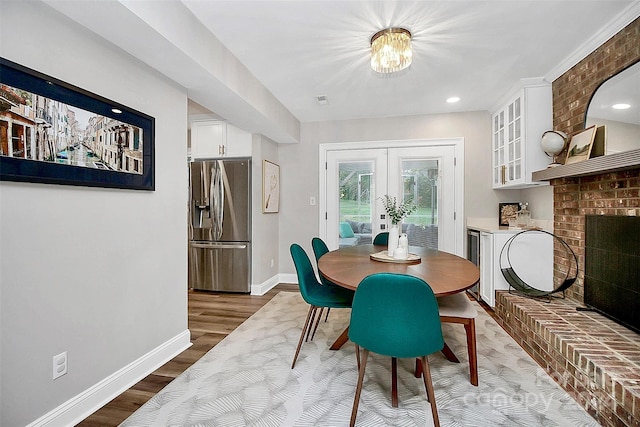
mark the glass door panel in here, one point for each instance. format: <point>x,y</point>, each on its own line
<point>420,179</point>
<point>355,181</point>
<point>423,175</point>
<point>356,186</point>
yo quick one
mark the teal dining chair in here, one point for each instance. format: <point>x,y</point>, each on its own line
<point>320,248</point>
<point>395,315</point>
<point>381,238</point>
<point>314,293</point>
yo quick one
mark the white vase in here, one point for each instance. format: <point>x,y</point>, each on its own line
<point>400,253</point>
<point>394,236</point>
<point>403,242</point>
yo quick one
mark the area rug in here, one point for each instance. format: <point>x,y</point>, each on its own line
<point>247,380</point>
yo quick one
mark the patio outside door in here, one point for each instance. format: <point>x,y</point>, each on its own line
<point>356,180</point>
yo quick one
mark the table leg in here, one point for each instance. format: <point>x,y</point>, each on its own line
<point>451,357</point>
<point>343,338</point>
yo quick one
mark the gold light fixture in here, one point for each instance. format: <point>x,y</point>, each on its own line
<point>391,50</point>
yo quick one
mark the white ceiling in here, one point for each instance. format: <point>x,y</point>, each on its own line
<point>472,49</point>
<point>297,50</point>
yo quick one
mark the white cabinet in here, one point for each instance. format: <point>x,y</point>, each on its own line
<point>491,278</point>
<point>516,131</point>
<point>207,139</point>
<point>238,143</point>
<point>530,256</point>
<point>214,138</point>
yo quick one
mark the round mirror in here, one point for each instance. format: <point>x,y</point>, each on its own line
<point>616,105</point>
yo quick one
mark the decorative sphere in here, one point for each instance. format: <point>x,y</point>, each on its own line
<point>553,142</point>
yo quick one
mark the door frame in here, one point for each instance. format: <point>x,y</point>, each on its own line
<point>458,175</point>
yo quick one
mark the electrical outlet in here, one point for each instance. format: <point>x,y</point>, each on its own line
<point>271,262</point>
<point>59,365</point>
<point>312,201</point>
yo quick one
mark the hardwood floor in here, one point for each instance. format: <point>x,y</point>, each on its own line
<point>212,316</point>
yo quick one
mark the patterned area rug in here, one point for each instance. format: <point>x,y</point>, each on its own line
<point>247,380</point>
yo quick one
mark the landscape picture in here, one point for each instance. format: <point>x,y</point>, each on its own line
<point>580,145</point>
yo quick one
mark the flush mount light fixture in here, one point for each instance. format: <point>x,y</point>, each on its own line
<point>453,100</point>
<point>391,50</point>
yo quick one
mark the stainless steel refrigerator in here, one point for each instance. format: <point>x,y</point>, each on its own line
<point>220,225</point>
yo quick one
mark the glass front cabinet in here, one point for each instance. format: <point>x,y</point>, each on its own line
<point>516,131</point>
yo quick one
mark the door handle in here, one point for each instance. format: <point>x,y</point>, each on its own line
<point>205,245</point>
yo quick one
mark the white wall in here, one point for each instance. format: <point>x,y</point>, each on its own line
<point>99,273</point>
<point>299,221</point>
<point>540,201</point>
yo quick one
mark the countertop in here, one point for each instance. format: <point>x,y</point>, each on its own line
<point>491,225</point>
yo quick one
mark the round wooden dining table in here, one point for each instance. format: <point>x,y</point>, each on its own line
<point>446,273</point>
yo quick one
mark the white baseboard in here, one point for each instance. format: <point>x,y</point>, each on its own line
<point>84,404</point>
<point>266,286</point>
<point>289,278</point>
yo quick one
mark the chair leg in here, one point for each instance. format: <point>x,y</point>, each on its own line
<point>313,318</point>
<point>356,400</point>
<point>304,330</point>
<point>327,318</point>
<point>428,384</point>
<point>358,356</point>
<point>470,328</point>
<point>394,382</point>
<point>469,324</point>
<point>317,323</point>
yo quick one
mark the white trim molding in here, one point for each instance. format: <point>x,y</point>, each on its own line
<point>84,404</point>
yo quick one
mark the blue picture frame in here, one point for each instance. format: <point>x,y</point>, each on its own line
<point>30,151</point>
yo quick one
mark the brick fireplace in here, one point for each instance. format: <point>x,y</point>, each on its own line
<point>596,360</point>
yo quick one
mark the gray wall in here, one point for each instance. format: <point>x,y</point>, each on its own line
<point>264,226</point>
<point>299,220</point>
<point>99,273</point>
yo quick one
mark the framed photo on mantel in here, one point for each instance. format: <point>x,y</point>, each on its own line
<point>580,145</point>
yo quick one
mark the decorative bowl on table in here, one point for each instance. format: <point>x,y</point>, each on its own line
<point>383,256</point>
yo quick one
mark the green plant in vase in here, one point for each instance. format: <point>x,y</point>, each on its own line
<point>396,212</point>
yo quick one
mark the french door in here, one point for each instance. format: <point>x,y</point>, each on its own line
<point>425,174</point>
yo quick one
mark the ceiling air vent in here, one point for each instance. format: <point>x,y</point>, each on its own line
<point>322,99</point>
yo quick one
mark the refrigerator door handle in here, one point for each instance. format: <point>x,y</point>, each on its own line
<point>217,200</point>
<point>207,245</point>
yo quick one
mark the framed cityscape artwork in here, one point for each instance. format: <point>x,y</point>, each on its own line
<point>55,133</point>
